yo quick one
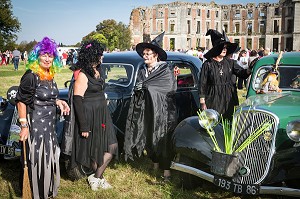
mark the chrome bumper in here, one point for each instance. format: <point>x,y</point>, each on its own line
<point>210,178</point>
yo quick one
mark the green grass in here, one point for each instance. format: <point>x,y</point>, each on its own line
<point>130,179</point>
<point>9,77</point>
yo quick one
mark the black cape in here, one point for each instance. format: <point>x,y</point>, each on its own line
<point>218,85</point>
<point>152,112</point>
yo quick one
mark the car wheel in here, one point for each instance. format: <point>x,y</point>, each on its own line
<point>189,181</point>
<point>78,171</point>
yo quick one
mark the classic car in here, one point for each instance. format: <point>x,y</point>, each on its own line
<point>119,70</point>
<point>269,164</point>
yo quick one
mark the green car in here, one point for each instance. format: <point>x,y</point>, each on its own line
<point>259,151</point>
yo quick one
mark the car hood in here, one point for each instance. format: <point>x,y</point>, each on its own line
<point>285,105</point>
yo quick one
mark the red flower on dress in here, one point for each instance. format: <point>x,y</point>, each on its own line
<point>103,126</point>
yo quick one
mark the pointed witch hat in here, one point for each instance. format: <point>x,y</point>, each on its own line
<point>154,45</point>
<point>218,41</point>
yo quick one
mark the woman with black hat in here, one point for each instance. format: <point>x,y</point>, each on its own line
<point>216,89</point>
<point>152,115</point>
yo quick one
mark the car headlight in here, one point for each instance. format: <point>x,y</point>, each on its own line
<point>211,118</point>
<point>293,130</point>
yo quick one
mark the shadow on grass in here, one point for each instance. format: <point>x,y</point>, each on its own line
<point>10,178</point>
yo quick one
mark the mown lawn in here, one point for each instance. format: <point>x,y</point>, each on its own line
<point>130,179</point>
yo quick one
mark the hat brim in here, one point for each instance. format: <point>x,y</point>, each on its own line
<point>162,55</point>
<point>217,50</point>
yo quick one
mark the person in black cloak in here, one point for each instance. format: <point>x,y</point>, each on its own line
<point>152,113</point>
<point>216,88</point>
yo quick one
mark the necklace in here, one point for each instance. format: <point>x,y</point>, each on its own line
<point>221,69</point>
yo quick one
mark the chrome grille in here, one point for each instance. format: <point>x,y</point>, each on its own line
<point>255,159</point>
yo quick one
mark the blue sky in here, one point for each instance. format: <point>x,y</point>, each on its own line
<point>67,21</point>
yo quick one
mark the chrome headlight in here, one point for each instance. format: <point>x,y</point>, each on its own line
<point>293,130</point>
<point>211,118</point>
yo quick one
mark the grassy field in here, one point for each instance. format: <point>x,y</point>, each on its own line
<point>130,179</point>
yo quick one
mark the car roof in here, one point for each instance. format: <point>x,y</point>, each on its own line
<point>288,58</point>
<point>131,57</point>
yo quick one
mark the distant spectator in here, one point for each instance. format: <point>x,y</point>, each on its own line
<point>267,52</point>
<point>3,59</point>
<point>16,58</point>
<point>200,53</point>
<point>261,52</point>
<point>25,55</point>
<point>243,62</point>
<point>253,55</point>
<point>64,58</point>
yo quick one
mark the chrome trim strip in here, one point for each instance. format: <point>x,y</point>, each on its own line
<point>210,178</point>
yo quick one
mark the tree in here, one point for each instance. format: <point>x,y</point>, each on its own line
<point>117,34</point>
<point>25,46</point>
<point>9,24</point>
<point>97,36</point>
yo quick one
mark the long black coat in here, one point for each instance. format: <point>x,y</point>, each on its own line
<point>152,112</point>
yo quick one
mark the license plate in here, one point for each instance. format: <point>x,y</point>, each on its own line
<point>7,150</point>
<point>249,189</point>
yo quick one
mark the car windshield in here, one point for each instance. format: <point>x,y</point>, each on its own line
<point>289,77</point>
<point>117,74</point>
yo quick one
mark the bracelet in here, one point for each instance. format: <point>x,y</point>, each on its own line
<point>23,119</point>
<point>25,125</point>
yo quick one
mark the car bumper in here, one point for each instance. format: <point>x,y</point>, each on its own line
<point>210,178</point>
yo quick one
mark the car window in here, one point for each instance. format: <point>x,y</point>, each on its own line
<point>183,74</point>
<point>289,77</point>
<point>117,74</point>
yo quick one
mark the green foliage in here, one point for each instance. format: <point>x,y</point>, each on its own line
<point>97,36</point>
<point>117,34</point>
<point>25,46</point>
<point>9,26</point>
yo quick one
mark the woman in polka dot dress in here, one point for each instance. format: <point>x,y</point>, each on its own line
<point>37,108</point>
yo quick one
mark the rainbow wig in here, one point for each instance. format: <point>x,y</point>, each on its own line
<point>46,46</point>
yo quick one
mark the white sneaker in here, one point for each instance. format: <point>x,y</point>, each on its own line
<point>97,183</point>
<point>105,184</point>
<point>91,178</point>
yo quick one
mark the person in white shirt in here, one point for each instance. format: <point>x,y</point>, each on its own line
<point>243,62</point>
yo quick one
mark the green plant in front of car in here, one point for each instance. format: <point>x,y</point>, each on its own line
<point>231,132</point>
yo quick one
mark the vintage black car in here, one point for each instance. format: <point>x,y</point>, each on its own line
<point>270,164</point>
<point>120,70</point>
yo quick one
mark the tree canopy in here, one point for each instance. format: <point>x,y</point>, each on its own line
<point>117,34</point>
<point>9,24</point>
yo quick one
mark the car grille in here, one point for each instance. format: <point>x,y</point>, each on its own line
<point>255,159</point>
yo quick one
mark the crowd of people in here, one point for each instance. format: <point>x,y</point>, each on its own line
<point>13,57</point>
<point>151,116</point>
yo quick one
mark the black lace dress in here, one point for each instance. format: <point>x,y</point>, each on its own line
<point>102,136</point>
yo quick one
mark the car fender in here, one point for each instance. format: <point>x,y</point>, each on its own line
<point>191,140</point>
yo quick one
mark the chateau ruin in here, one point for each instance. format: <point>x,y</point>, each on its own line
<point>276,25</point>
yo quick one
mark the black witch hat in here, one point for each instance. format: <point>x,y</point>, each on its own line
<point>218,41</point>
<point>154,45</point>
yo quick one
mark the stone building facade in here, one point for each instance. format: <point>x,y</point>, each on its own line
<point>276,25</point>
